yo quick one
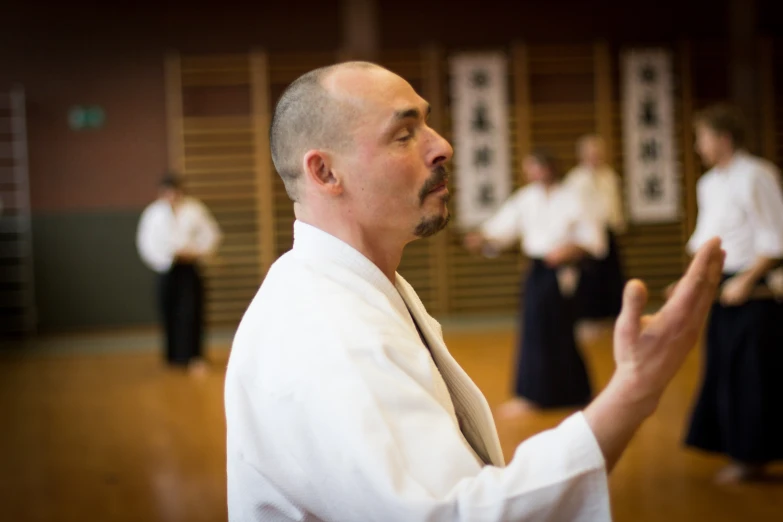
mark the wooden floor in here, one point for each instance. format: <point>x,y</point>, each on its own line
<point>113,436</point>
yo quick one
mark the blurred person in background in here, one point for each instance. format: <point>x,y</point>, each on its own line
<point>600,293</point>
<point>175,234</point>
<point>738,410</point>
<point>557,232</point>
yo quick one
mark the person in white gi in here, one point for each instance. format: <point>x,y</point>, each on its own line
<point>600,291</point>
<point>342,400</point>
<point>557,232</point>
<point>738,410</point>
<point>175,234</point>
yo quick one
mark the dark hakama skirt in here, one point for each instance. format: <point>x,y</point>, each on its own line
<point>551,372</point>
<point>739,411</point>
<point>600,291</point>
<point>180,294</point>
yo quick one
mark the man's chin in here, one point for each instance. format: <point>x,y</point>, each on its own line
<point>431,225</point>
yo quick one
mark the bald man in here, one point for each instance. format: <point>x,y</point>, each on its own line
<point>342,400</point>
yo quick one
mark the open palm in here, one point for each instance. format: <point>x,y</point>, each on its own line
<point>650,349</point>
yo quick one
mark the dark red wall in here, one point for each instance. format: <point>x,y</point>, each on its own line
<point>79,53</point>
<point>467,23</point>
<point>75,54</point>
<point>113,167</point>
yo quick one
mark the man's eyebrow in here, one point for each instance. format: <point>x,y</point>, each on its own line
<point>413,113</point>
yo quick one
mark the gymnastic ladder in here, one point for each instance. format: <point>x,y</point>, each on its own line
<point>17,293</point>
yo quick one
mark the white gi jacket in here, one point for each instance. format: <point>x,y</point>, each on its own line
<point>602,190</point>
<point>337,411</point>
<point>545,220</point>
<point>743,205</point>
<point>162,232</point>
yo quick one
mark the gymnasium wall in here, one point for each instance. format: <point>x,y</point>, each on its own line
<point>88,187</point>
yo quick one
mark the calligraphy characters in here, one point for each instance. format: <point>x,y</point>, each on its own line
<point>484,156</point>
<point>649,146</point>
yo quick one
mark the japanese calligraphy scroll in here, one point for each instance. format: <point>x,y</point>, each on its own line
<point>651,174</point>
<point>482,157</point>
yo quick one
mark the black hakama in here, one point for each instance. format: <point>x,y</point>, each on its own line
<point>739,411</point>
<point>180,293</point>
<point>600,291</point>
<point>551,372</point>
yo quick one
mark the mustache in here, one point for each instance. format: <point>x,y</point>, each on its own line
<point>440,175</point>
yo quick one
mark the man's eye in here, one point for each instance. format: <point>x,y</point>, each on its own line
<point>405,138</point>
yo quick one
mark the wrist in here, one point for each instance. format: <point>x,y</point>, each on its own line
<point>630,393</point>
<point>617,413</point>
<point>751,277</point>
<point>742,282</point>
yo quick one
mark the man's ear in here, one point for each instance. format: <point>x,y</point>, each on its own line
<point>317,167</point>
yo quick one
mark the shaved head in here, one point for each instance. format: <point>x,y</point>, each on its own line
<point>352,144</point>
<point>309,116</point>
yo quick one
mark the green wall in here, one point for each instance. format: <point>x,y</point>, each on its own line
<point>87,272</point>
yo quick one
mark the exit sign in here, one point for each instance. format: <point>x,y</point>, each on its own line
<point>86,117</point>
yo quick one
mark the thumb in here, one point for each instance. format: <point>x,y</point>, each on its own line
<point>629,323</point>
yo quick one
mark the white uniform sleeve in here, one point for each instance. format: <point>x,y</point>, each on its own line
<point>767,214</point>
<point>506,226</point>
<point>154,248</point>
<point>396,454</point>
<point>208,234</point>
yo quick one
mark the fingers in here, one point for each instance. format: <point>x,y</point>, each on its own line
<point>704,272</point>
<point>669,290</point>
<point>647,320</point>
<point>714,276</point>
<point>696,291</point>
<point>708,262</point>
<point>629,321</point>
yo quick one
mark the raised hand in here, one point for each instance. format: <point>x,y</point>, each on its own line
<point>736,291</point>
<point>649,350</point>
<point>473,242</point>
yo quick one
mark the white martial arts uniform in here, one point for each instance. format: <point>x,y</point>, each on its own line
<point>160,235</point>
<point>600,293</point>
<point>545,221</point>
<point>601,189</point>
<point>336,410</point>
<point>737,411</point>
<point>162,232</point>
<point>742,204</point>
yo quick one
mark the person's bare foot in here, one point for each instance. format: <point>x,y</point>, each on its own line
<point>198,368</point>
<point>515,408</point>
<point>738,472</point>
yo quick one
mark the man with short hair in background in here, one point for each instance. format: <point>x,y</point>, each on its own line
<point>175,234</point>
<point>738,411</point>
